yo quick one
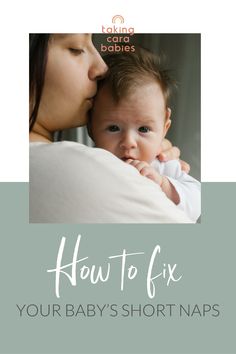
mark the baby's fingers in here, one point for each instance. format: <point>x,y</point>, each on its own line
<point>145,171</point>
<point>133,162</point>
<point>130,161</point>
<point>139,164</point>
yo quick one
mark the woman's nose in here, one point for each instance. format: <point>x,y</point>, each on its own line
<point>128,141</point>
<point>98,68</point>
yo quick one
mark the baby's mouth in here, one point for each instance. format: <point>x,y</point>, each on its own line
<point>125,158</point>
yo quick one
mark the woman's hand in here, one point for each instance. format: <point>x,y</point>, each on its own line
<point>170,152</point>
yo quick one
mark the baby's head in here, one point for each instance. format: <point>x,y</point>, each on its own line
<point>131,113</point>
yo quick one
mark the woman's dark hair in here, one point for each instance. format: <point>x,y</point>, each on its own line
<point>38,46</point>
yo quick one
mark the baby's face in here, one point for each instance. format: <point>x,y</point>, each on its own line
<point>132,128</point>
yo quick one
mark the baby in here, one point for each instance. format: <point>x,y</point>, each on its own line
<point>131,117</point>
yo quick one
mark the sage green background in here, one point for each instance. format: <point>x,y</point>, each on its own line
<point>205,254</point>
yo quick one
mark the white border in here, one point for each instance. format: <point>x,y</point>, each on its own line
<point>214,20</point>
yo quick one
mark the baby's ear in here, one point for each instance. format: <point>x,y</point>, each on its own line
<point>167,121</point>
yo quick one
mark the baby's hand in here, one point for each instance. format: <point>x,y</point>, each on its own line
<point>146,170</point>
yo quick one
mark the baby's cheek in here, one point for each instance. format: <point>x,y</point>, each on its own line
<point>158,147</point>
<point>108,144</point>
<point>155,150</point>
<point>149,156</point>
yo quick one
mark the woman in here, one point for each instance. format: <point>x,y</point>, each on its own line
<point>69,182</point>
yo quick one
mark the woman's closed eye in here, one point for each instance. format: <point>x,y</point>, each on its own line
<point>76,51</point>
<point>113,128</point>
<point>144,129</point>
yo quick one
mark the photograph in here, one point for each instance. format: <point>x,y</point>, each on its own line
<point>114,127</point>
<point>116,219</point>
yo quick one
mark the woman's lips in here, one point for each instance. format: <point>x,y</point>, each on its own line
<point>90,100</point>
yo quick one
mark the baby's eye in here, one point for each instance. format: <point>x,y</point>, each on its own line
<point>113,128</point>
<point>144,129</point>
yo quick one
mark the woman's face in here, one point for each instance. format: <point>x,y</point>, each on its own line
<point>73,66</point>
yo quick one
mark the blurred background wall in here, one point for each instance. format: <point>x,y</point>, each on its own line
<point>182,52</point>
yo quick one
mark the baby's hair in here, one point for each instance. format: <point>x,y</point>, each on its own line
<point>130,70</point>
<point>133,69</point>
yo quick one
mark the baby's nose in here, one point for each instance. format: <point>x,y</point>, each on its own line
<point>128,141</point>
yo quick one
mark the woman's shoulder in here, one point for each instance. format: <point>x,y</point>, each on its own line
<point>65,153</point>
<point>65,147</point>
<point>51,148</point>
<point>53,152</point>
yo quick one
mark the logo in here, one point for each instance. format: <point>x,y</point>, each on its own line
<point>118,19</point>
<point>118,36</point>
